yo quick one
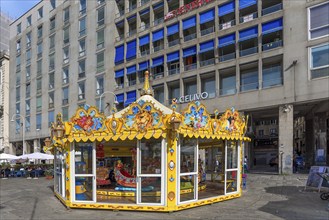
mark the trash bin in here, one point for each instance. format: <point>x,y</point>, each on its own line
<point>244,181</point>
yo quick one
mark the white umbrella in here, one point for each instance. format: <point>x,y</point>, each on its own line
<point>37,155</point>
<point>5,156</point>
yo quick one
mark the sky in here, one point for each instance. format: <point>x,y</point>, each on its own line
<point>16,8</point>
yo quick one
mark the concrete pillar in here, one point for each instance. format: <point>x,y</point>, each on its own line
<point>286,121</point>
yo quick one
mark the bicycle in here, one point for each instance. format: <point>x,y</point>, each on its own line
<point>324,176</point>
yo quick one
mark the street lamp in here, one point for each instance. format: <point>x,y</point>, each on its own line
<point>23,124</point>
<point>100,99</point>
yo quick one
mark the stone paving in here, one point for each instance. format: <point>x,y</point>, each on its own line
<point>266,197</point>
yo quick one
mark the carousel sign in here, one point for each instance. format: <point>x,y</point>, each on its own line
<point>194,97</point>
<point>186,8</point>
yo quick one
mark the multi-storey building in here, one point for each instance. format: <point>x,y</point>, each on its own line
<point>266,58</point>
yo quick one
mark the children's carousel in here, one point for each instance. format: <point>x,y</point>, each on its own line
<point>148,157</point>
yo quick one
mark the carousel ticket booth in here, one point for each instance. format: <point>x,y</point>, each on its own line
<point>148,157</point>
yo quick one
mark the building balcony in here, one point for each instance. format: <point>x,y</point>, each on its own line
<point>174,71</point>
<point>227,57</point>
<point>189,67</point>
<point>207,31</point>
<point>248,51</point>
<point>158,75</point>
<point>227,25</point>
<point>272,9</point>
<point>173,43</point>
<point>190,37</point>
<point>145,52</point>
<point>249,17</point>
<point>158,48</point>
<point>158,21</point>
<point>207,62</point>
<point>272,45</point>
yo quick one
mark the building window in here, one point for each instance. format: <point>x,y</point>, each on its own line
<point>51,80</point>
<point>272,74</point>
<point>208,85</point>
<point>28,21</point>
<point>260,133</point>
<point>82,27</point>
<point>51,43</point>
<point>65,113</point>
<point>100,39</point>
<point>19,28</point>
<point>65,99</point>
<point>28,57</point>
<point>18,94</point>
<point>190,86</point>
<point>100,62</point>
<point>39,50</point>
<point>39,121</point>
<point>39,67</point>
<point>39,32</point>
<point>18,63</point>
<point>39,103</point>
<point>318,24</point>
<point>28,40</point>
<point>66,35</point>
<point>28,90</point>
<point>83,5</point>
<point>27,124</point>
<point>66,14</point>
<point>27,107</point>
<point>53,4</point>
<point>81,90</point>
<point>51,118</point>
<point>173,91</point>
<point>65,75</point>
<point>249,78</point>
<point>82,47</point>
<point>18,110</point>
<point>40,12</point>
<point>99,85</point>
<point>100,16</point>
<point>66,54</point>
<point>18,46</point>
<point>273,131</point>
<point>28,73</point>
<point>39,86</point>
<point>159,93</point>
<point>18,79</point>
<point>51,62</point>
<point>52,23</point>
<point>51,100</point>
<point>82,69</point>
<point>319,61</point>
<point>227,84</point>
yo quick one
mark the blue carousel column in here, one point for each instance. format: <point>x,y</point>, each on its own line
<point>286,119</point>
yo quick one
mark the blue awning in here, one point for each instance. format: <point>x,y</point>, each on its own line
<point>157,35</point>
<point>226,40</point>
<point>272,26</point>
<point>173,56</point>
<point>157,61</point>
<point>131,97</point>
<point>206,46</point>
<point>119,54</point>
<point>131,50</point>
<point>131,17</point>
<point>207,16</point>
<point>226,8</point>
<point>190,22</point>
<point>131,69</point>
<point>144,40</point>
<point>248,33</point>
<point>246,3</point>
<point>144,12</point>
<point>189,51</point>
<point>143,65</point>
<point>157,6</point>
<point>120,98</point>
<point>172,29</point>
<point>119,73</point>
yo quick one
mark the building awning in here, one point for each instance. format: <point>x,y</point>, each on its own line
<point>272,26</point>
<point>226,40</point>
<point>206,46</point>
<point>120,98</point>
<point>131,97</point>
<point>173,56</point>
<point>246,3</point>
<point>207,16</point>
<point>155,7</point>
<point>131,17</point>
<point>144,40</point>
<point>248,33</point>
<point>143,65</point>
<point>189,51</point>
<point>157,61</point>
<point>172,29</point>
<point>144,12</point>
<point>119,54</point>
<point>119,73</point>
<point>190,22</point>
<point>226,8</point>
<point>131,50</point>
<point>131,69</point>
<point>157,35</point>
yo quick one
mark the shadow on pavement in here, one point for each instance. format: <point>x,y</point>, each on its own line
<point>294,203</point>
<point>51,188</point>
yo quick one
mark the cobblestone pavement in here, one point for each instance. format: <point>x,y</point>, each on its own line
<point>266,197</point>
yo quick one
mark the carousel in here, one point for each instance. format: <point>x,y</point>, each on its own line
<point>147,156</point>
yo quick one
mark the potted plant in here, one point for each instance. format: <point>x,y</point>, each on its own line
<point>49,173</point>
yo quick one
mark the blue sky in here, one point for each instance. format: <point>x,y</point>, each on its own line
<point>16,8</point>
